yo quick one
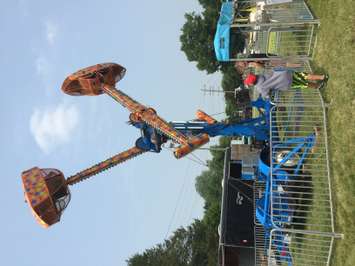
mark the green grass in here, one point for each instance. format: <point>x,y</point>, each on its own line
<point>299,41</point>
<point>272,48</point>
<point>335,54</point>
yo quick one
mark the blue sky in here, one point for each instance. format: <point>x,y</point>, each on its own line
<point>127,209</point>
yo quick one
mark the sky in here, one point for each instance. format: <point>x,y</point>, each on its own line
<point>135,205</point>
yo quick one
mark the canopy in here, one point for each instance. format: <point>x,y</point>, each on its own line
<point>222,36</point>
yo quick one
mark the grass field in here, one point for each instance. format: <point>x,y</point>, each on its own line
<point>335,54</point>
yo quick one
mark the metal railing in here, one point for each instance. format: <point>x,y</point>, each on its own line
<point>270,41</point>
<point>295,41</point>
<point>295,10</point>
<point>301,208</point>
<point>298,119</point>
<point>301,248</point>
<point>259,190</point>
<point>261,246</point>
<point>283,31</point>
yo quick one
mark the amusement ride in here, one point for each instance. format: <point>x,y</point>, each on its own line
<point>46,189</point>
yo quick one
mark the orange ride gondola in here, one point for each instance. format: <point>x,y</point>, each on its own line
<point>89,80</point>
<point>47,194</point>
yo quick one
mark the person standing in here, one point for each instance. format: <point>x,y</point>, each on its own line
<point>283,80</point>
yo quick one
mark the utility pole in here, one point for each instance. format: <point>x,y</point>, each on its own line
<point>211,90</point>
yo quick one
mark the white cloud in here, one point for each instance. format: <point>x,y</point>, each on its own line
<point>52,127</point>
<point>42,66</point>
<point>51,31</point>
<point>45,69</point>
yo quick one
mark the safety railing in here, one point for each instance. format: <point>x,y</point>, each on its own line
<point>283,11</point>
<point>259,190</point>
<point>298,131</point>
<point>294,41</point>
<point>285,31</point>
<point>301,208</point>
<point>261,246</point>
<point>296,10</point>
<point>301,248</point>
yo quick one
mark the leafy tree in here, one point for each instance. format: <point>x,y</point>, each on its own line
<point>197,41</point>
<point>198,35</point>
<point>186,247</point>
<point>231,79</point>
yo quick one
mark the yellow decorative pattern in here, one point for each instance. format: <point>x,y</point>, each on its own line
<point>35,186</point>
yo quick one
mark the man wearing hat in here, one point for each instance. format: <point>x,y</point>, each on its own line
<point>283,80</point>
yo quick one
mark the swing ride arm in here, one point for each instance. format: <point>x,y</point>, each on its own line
<point>141,113</point>
<point>104,165</point>
<point>101,78</point>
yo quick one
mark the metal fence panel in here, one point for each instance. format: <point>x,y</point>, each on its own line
<point>297,115</point>
<point>299,248</point>
<point>300,205</point>
<point>293,41</point>
<point>261,246</point>
<point>297,10</point>
<point>283,31</point>
<point>259,189</point>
